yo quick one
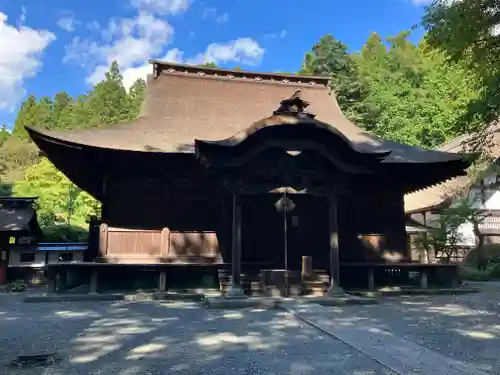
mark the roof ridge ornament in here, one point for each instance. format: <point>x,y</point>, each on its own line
<point>294,106</point>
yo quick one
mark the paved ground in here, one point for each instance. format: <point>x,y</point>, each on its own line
<point>182,338</point>
<point>465,327</point>
<point>161,338</point>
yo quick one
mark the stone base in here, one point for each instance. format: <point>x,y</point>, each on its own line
<point>335,291</point>
<point>344,300</point>
<point>235,292</point>
<point>241,303</point>
<point>413,292</point>
<point>156,296</point>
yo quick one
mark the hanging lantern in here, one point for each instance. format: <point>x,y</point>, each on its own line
<point>284,204</point>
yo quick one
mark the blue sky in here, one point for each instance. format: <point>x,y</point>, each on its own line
<point>48,46</point>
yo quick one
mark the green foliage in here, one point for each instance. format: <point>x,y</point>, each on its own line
<point>65,233</point>
<point>208,65</point>
<point>490,273</point>
<point>329,57</point>
<point>478,257</point>
<point>412,95</point>
<point>24,174</point>
<point>4,134</point>
<point>17,286</point>
<point>400,91</point>
<point>444,237</point>
<point>59,200</point>
<point>467,31</point>
<point>27,116</point>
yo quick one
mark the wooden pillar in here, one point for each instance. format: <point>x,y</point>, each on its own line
<point>51,280</point>
<point>94,280</point>
<point>235,290</point>
<point>103,240</point>
<point>162,282</point>
<point>334,249</point>
<point>424,284</point>
<point>371,278</point>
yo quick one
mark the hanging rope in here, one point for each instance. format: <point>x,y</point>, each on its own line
<point>70,203</point>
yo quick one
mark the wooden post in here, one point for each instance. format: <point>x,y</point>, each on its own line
<point>51,280</point>
<point>162,282</point>
<point>235,290</point>
<point>455,280</point>
<point>94,280</point>
<point>307,268</point>
<point>103,240</point>
<point>334,250</point>
<point>371,279</point>
<point>63,279</point>
<point>424,284</point>
<point>165,242</point>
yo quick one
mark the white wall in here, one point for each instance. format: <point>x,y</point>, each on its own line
<point>53,257</point>
<point>491,202</point>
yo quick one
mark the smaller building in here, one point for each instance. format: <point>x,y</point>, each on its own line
<point>483,193</point>
<point>18,227</point>
<point>28,262</point>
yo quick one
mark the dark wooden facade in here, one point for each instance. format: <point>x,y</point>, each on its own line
<point>197,201</point>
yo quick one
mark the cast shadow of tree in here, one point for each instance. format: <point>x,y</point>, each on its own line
<point>463,327</point>
<point>175,338</point>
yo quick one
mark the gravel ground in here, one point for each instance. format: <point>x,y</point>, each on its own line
<point>169,338</point>
<point>465,327</point>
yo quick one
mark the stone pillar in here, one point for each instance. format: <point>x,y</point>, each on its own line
<point>235,290</point>
<point>334,289</point>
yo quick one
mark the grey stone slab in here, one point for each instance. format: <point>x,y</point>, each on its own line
<point>396,353</point>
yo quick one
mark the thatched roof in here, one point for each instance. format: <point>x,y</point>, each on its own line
<point>185,102</point>
<point>16,215</point>
<point>438,196</point>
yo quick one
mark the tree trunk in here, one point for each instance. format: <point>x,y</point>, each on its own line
<point>481,258</point>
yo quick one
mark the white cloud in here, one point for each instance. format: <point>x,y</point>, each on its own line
<point>129,41</point>
<point>135,40</point>
<point>213,13</point>
<point>280,35</point>
<point>67,23</point>
<point>20,58</point>
<point>243,50</point>
<point>163,7</point>
<point>22,18</point>
<point>130,75</point>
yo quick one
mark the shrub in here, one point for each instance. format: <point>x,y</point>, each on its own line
<point>491,272</point>
<point>15,286</point>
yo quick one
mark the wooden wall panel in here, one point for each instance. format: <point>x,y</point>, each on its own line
<point>134,242</point>
<point>195,247</point>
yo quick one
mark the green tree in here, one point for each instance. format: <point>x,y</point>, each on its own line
<point>62,102</point>
<point>411,94</point>
<point>136,95</point>
<point>59,201</point>
<point>44,115</point>
<point>468,31</point>
<point>108,102</point>
<point>208,65</point>
<point>4,134</point>
<point>27,116</point>
<point>329,57</point>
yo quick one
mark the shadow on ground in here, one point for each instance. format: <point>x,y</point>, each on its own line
<point>171,338</point>
<point>462,327</point>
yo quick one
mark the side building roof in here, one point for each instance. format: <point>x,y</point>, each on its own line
<point>438,196</point>
<point>184,103</point>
